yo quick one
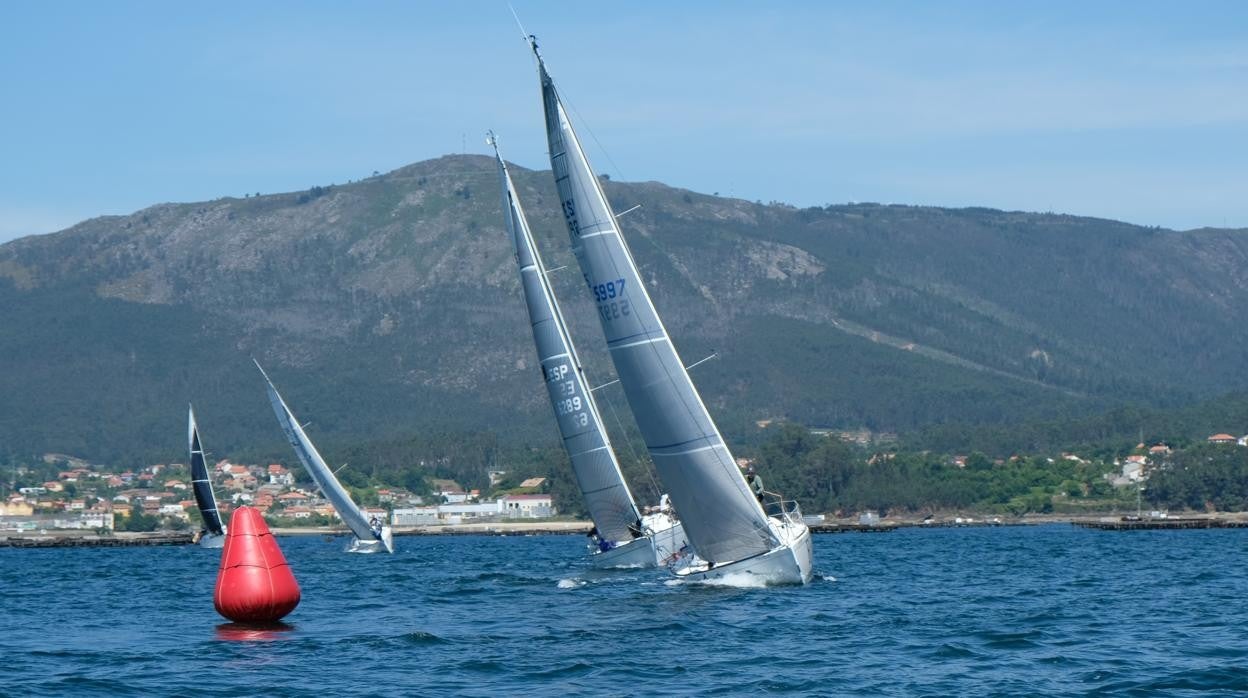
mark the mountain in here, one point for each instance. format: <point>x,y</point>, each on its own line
<point>391,306</point>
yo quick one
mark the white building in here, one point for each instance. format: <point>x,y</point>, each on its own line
<point>512,506</point>
<point>173,510</point>
<point>414,516</point>
<point>527,506</point>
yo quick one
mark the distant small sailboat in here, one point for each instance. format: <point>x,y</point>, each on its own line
<point>625,537</point>
<point>370,537</point>
<point>213,535</point>
<point>729,530</point>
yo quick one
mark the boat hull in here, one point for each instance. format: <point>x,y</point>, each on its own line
<point>638,552</point>
<point>789,563</point>
<point>664,540</point>
<point>211,541</point>
<point>373,545</point>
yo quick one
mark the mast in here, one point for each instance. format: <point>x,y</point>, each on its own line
<point>585,439</point>
<point>316,466</point>
<point>201,484</point>
<point>723,520</point>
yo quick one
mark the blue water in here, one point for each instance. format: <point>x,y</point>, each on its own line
<point>1051,610</point>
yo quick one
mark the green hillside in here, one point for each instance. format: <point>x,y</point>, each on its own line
<point>389,308</point>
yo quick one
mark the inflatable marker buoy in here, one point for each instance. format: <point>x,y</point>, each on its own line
<point>254,583</point>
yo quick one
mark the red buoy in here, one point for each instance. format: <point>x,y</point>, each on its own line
<point>254,583</point>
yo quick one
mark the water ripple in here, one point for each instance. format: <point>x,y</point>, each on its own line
<point>1051,610</point>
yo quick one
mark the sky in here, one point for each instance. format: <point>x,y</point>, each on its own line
<point>1136,111</point>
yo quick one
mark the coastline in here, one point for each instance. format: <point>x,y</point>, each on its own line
<point>1107,521</point>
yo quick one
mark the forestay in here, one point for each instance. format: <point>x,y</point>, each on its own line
<point>200,482</point>
<point>316,466</point>
<point>723,520</point>
<point>597,471</point>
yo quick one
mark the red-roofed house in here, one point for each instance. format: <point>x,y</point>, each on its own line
<point>280,475</point>
<point>293,499</point>
<point>1221,439</point>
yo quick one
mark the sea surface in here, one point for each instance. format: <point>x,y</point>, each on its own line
<point>1047,610</point>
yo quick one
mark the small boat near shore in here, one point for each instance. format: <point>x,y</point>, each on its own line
<point>369,536</point>
<point>213,535</point>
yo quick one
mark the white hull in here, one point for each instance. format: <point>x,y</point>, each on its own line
<point>638,552</point>
<point>790,563</point>
<point>372,545</point>
<point>211,541</point>
<point>665,537</point>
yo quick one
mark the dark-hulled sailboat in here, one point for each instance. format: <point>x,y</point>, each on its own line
<point>213,535</point>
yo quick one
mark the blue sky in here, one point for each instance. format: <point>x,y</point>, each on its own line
<point>1129,110</point>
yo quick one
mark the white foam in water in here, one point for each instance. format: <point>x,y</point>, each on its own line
<point>571,583</point>
<point>740,580</point>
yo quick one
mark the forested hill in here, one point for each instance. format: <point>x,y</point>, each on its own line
<point>391,306</point>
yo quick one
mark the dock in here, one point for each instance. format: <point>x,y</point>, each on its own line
<point>852,528</point>
<point>95,541</point>
<point>1129,523</point>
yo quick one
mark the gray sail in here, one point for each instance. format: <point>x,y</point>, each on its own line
<point>723,520</point>
<point>316,466</point>
<point>598,475</point>
<point>201,485</point>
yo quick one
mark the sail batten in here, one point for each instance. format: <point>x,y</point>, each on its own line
<point>723,520</point>
<point>205,499</point>
<point>585,438</point>
<point>317,468</point>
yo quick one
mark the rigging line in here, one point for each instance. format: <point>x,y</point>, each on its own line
<point>646,465</point>
<point>596,389</point>
<point>713,355</point>
<point>581,120</point>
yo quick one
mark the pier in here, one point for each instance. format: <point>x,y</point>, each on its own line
<point>1137,524</point>
<point>95,541</point>
<point>852,528</point>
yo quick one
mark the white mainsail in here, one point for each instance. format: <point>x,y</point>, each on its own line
<point>722,519</point>
<point>597,471</point>
<point>320,471</point>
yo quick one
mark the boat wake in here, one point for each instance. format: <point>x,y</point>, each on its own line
<point>742,580</point>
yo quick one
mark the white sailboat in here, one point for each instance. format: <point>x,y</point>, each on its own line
<point>213,535</point>
<point>625,538</point>
<point>370,537</point>
<point>730,532</point>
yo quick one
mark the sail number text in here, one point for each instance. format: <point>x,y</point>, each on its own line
<point>563,393</point>
<point>610,298</point>
<point>569,214</point>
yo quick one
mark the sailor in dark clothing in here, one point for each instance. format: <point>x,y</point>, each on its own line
<point>756,483</point>
<point>635,529</point>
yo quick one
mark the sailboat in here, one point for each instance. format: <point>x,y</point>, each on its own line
<point>730,532</point>
<point>625,538</point>
<point>213,535</point>
<point>370,537</point>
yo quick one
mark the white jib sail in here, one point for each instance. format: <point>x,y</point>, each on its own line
<point>597,471</point>
<point>723,520</point>
<point>316,466</point>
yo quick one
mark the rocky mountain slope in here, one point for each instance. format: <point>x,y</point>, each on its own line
<point>391,306</point>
